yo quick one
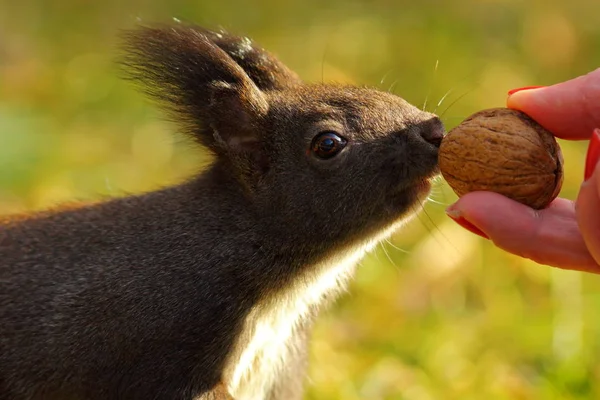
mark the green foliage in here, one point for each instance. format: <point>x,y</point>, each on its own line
<point>437,313</point>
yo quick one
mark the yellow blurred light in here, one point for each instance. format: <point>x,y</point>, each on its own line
<point>53,191</point>
<point>550,36</point>
<point>447,249</point>
<point>152,146</point>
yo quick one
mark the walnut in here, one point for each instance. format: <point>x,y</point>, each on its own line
<point>503,151</point>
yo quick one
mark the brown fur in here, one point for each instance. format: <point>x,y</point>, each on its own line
<point>157,295</point>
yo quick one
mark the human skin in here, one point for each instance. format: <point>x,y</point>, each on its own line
<point>566,234</point>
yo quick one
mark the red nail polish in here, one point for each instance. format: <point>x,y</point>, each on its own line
<point>523,88</point>
<point>469,226</point>
<point>593,154</point>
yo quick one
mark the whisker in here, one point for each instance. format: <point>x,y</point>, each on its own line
<point>396,247</point>
<point>385,76</point>
<point>431,200</point>
<point>455,101</point>
<point>463,79</point>
<point>431,85</point>
<point>432,196</point>
<point>388,255</point>
<point>442,99</point>
<point>376,255</point>
<point>437,227</point>
<point>437,189</point>
<point>418,214</point>
<point>107,183</point>
<point>390,90</point>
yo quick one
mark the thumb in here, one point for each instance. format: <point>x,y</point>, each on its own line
<point>570,110</point>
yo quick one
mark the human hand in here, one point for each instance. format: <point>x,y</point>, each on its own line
<point>566,234</point>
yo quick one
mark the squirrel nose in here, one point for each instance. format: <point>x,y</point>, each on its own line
<point>432,130</point>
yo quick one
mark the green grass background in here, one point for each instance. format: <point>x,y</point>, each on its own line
<point>437,313</point>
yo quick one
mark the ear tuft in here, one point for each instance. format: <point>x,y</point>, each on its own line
<point>197,81</point>
<point>265,70</point>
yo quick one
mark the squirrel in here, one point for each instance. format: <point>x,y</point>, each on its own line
<point>208,288</point>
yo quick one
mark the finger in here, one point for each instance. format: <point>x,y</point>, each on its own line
<point>570,110</point>
<point>593,154</point>
<point>587,212</point>
<point>549,237</point>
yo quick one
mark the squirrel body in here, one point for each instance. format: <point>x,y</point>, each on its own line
<point>208,289</point>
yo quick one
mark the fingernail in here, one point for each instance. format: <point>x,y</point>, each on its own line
<point>513,91</point>
<point>456,216</point>
<point>593,153</point>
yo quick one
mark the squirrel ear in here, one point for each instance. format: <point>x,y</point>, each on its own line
<point>234,117</point>
<point>265,70</point>
<point>205,89</point>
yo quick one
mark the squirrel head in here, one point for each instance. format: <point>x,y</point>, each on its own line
<point>329,161</point>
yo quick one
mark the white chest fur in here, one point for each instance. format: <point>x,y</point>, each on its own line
<point>264,345</point>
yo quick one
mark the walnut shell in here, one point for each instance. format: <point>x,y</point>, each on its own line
<point>503,151</point>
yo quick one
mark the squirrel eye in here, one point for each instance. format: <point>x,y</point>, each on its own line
<point>327,144</point>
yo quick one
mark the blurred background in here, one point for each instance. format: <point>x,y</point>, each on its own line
<point>437,313</point>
